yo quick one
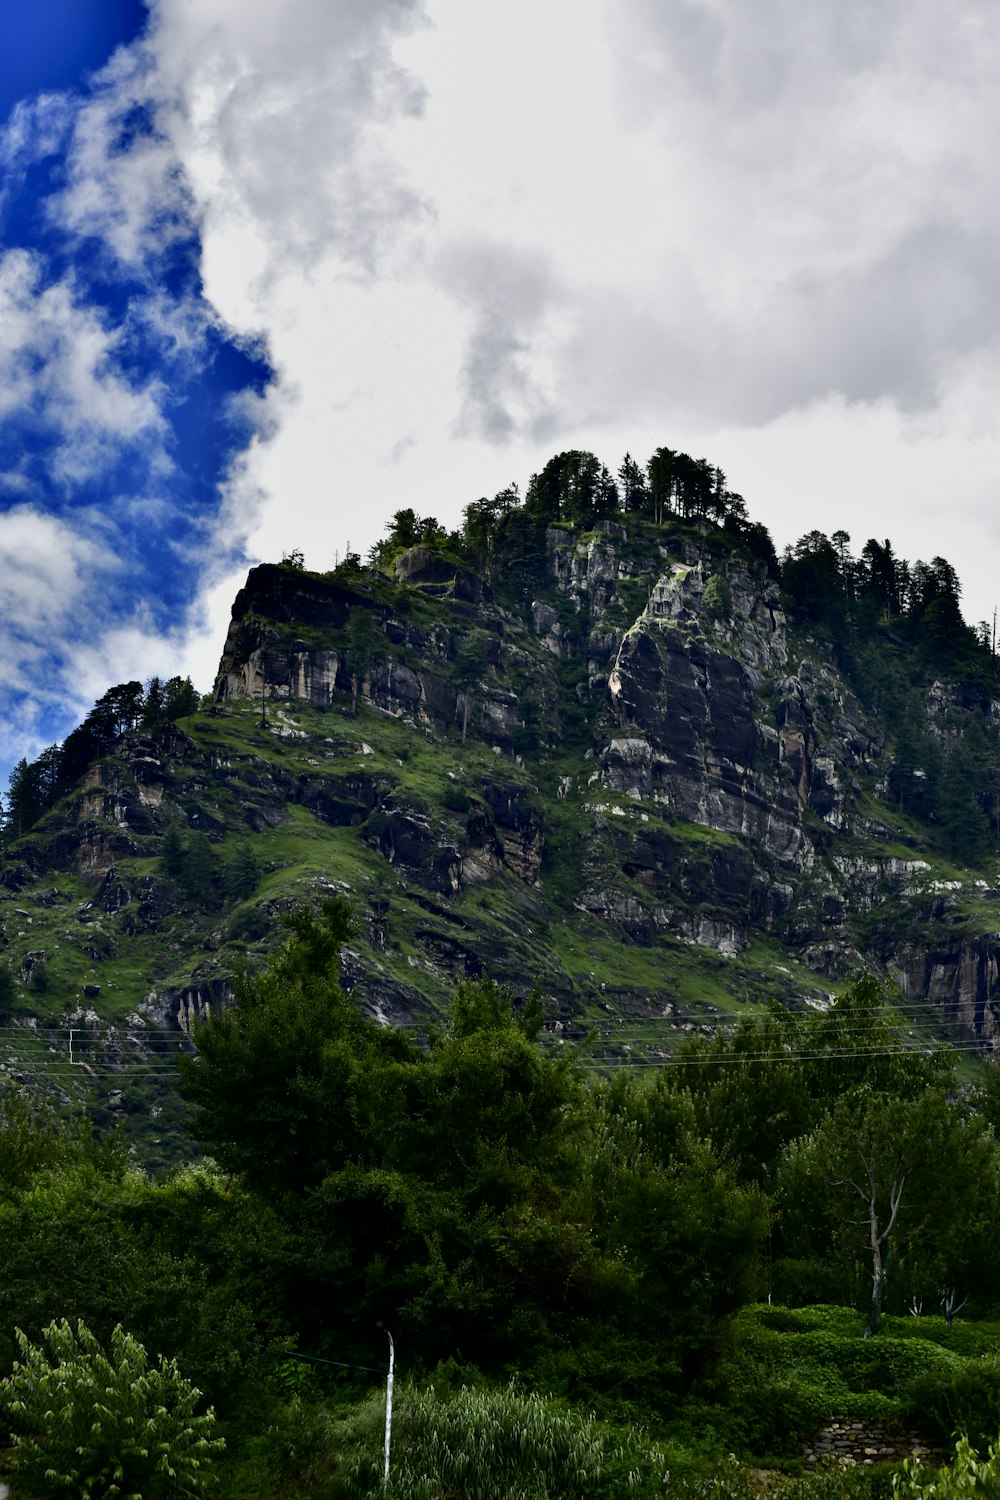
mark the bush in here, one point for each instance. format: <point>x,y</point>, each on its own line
<point>247,925</point>
<point>718,598</point>
<point>945,1402</point>
<point>777,1416</point>
<point>86,1424</point>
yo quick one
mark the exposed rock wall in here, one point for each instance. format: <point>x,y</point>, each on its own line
<point>698,716</point>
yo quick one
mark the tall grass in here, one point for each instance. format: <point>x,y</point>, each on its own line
<point>502,1444</point>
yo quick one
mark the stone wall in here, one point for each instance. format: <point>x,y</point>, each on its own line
<point>846,1441</point>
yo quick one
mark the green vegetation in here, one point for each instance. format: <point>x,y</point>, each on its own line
<point>571,1265</point>
<point>89,1423</point>
<point>608,1124</point>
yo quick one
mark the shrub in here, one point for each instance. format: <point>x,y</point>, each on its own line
<point>718,598</point>
<point>87,1424</point>
<point>967,1400</point>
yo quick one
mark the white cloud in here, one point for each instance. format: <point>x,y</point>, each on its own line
<point>125,188</point>
<point>280,120</point>
<point>58,373</point>
<point>766,234</point>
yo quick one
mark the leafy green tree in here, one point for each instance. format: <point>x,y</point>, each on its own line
<point>520,556</point>
<point>631,484</point>
<point>90,1423</point>
<point>32,1140</point>
<point>199,871</point>
<point>814,586</point>
<point>452,1189</point>
<point>681,1238</point>
<point>273,1080</point>
<point>187,1263</point>
<point>573,486</point>
<point>773,1077</point>
<point>153,708</point>
<point>471,663</point>
<point>180,698</point>
<point>482,527</point>
<point>881,578</point>
<point>860,1041</point>
<point>243,871</point>
<point>749,1094</point>
<point>25,797</point>
<point>661,473</point>
<point>172,851</point>
<point>885,1181</point>
<point>125,703</point>
<point>718,598</point>
<point>406,530</point>
<point>961,796</point>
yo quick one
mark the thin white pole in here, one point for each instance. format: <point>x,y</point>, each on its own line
<point>388,1408</point>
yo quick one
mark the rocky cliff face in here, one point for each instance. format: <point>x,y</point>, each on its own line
<point>725,783</point>
<point>635,785</point>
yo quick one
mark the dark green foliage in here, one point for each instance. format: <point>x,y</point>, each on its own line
<point>172,850</point>
<point>958,1398</point>
<point>31,1140</point>
<point>814,583</point>
<point>249,924</point>
<point>960,811</point>
<point>183,1263</point>
<point>407,529</point>
<point>188,858</point>
<point>631,484</point>
<point>26,797</point>
<point>8,991</point>
<point>35,787</point>
<point>899,630</point>
<point>199,872</point>
<point>475,1194</point>
<point>574,487</point>
<point>366,646</point>
<point>521,554</point>
<point>483,528</point>
<point>180,700</point>
<point>269,1080</point>
<point>718,598</point>
<point>242,872</point>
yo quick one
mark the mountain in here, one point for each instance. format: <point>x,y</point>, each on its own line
<point>624,756</point>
